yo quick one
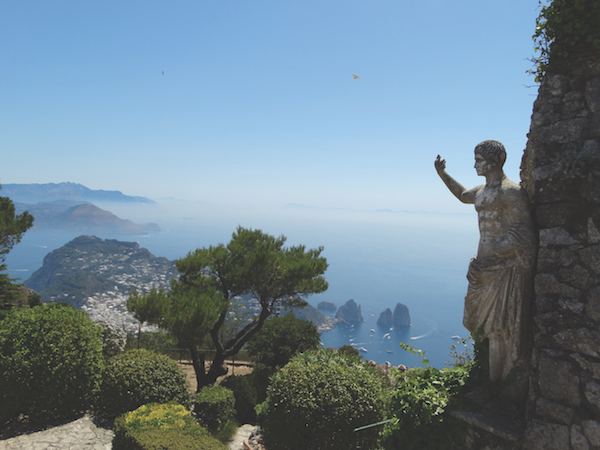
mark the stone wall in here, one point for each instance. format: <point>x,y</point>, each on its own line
<point>561,173</point>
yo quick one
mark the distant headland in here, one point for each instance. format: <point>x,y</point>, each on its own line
<point>69,207</point>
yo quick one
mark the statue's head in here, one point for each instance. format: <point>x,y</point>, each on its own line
<point>493,151</point>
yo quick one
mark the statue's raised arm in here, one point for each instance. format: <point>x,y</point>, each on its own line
<point>459,191</point>
<point>498,297</point>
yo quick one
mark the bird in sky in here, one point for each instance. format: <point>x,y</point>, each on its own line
<point>163,72</point>
<point>356,77</point>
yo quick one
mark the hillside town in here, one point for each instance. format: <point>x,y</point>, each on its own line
<point>98,275</point>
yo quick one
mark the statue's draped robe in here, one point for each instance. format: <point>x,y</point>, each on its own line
<point>497,302</point>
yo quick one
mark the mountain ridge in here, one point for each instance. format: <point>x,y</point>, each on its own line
<point>69,207</point>
<point>66,191</point>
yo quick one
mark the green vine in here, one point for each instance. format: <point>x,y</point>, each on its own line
<point>419,404</point>
<point>565,29</point>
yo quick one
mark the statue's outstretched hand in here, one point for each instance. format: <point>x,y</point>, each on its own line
<point>440,164</point>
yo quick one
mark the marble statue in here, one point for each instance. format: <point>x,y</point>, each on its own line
<point>499,294</point>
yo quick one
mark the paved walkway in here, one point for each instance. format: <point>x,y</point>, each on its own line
<point>78,435</point>
<point>83,434</point>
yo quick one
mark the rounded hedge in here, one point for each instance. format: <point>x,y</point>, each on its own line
<point>162,426</point>
<point>317,401</point>
<point>138,377</point>
<point>50,362</point>
<point>214,407</point>
<point>249,390</point>
<point>246,396</point>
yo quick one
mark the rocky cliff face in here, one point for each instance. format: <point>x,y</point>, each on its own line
<point>349,312</point>
<point>561,172</point>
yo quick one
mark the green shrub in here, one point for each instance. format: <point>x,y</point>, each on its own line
<point>139,377</point>
<point>317,401</point>
<point>331,356</point>
<point>214,407</point>
<point>50,362</point>
<point>249,390</point>
<point>161,427</point>
<point>113,339</point>
<point>280,338</point>
<point>246,396</point>
<point>417,407</point>
<point>349,350</point>
<point>261,378</point>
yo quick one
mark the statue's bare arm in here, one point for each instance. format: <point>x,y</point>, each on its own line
<point>459,191</point>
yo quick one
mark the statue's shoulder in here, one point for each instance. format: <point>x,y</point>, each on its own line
<point>512,188</point>
<point>514,191</point>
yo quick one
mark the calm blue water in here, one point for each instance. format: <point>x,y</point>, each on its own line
<point>377,259</point>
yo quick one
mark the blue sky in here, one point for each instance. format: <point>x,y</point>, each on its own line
<point>257,104</point>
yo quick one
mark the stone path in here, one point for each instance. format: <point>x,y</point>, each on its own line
<point>80,434</point>
<point>83,434</point>
<point>245,433</point>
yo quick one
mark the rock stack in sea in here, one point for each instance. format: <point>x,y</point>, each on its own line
<point>399,318</point>
<point>349,312</point>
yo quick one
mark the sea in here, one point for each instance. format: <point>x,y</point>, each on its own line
<point>376,258</point>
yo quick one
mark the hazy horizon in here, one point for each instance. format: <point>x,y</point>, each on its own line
<point>375,258</point>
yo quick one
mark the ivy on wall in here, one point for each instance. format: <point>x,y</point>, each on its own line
<point>565,30</point>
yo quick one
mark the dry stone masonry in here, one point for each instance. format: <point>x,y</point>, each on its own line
<point>561,173</point>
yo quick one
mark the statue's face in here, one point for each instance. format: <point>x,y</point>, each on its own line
<point>483,166</point>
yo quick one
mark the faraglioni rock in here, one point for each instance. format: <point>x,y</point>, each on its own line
<point>401,316</point>
<point>386,318</point>
<point>349,312</point>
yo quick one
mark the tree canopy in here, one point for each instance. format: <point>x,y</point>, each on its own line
<point>12,228</point>
<point>252,263</point>
<point>282,337</point>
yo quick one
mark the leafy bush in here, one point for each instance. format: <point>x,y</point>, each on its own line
<point>418,404</point>
<point>317,401</point>
<point>249,390</point>
<point>113,339</point>
<point>214,407</point>
<point>50,362</point>
<point>246,397</point>
<point>139,377</point>
<point>281,338</point>
<point>160,427</point>
<point>349,350</point>
<point>331,356</point>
